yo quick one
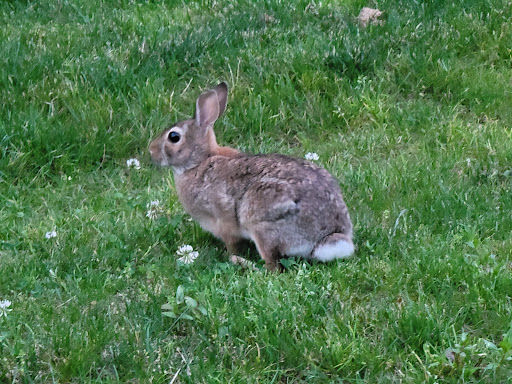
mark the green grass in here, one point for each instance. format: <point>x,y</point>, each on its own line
<point>413,117</point>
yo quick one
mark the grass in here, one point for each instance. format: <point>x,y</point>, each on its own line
<point>413,117</point>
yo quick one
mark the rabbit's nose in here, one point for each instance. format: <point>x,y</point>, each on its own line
<point>152,149</point>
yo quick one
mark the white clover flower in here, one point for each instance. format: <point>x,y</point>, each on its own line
<point>133,163</point>
<point>152,214</point>
<point>184,249</point>
<point>187,253</point>
<point>4,307</point>
<point>154,203</point>
<point>311,156</point>
<point>153,209</point>
<point>50,235</point>
<point>189,257</point>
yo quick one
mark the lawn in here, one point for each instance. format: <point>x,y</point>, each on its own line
<point>413,117</point>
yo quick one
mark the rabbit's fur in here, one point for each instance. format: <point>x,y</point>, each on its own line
<point>286,206</point>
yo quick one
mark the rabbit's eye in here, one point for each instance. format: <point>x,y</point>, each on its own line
<point>174,137</point>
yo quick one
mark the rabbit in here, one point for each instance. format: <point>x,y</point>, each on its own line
<point>286,206</point>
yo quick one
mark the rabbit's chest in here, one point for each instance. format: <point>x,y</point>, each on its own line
<point>206,202</point>
<point>213,207</point>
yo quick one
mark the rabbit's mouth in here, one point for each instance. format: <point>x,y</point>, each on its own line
<point>157,154</point>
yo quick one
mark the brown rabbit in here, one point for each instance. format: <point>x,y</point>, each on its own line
<point>286,206</point>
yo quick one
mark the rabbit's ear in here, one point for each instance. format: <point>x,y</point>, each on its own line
<point>222,96</point>
<point>210,105</point>
<point>207,109</point>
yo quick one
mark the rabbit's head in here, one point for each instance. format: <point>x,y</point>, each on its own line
<point>186,144</point>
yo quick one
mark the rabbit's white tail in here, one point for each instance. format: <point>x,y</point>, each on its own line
<point>334,246</point>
